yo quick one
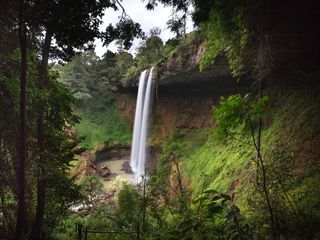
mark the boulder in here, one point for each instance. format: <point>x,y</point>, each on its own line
<point>85,167</point>
<point>105,172</point>
<point>126,167</point>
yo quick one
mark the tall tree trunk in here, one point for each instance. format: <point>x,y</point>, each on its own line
<point>42,178</point>
<point>22,149</point>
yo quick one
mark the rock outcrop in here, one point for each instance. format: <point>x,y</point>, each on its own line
<point>111,151</point>
<point>104,172</point>
<point>85,166</point>
<point>126,167</point>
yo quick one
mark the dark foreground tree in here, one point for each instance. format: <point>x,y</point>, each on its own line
<point>73,25</point>
<point>21,170</point>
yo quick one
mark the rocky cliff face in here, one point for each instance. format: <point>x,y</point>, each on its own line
<point>179,107</point>
<point>183,66</point>
<point>184,97</point>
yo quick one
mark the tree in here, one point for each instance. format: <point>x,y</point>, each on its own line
<point>177,25</point>
<point>124,61</point>
<point>61,147</point>
<point>156,31</point>
<point>149,52</point>
<point>13,75</point>
<point>81,20</point>
<point>90,186</point>
<point>129,206</point>
<point>76,73</point>
<point>236,111</point>
<point>92,79</point>
<point>125,31</point>
<point>21,171</point>
<point>108,72</point>
<point>178,20</point>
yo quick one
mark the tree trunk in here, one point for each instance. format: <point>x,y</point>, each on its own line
<point>22,149</point>
<point>37,225</point>
<point>42,178</point>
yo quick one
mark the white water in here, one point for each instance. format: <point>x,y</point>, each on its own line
<point>137,122</point>
<point>141,124</point>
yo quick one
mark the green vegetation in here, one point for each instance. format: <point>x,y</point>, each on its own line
<point>93,82</point>
<point>254,176</point>
<point>227,30</point>
<point>208,163</point>
<point>106,125</point>
<point>217,164</point>
<point>37,144</point>
<point>152,211</point>
<point>60,150</point>
<point>228,163</point>
<point>153,52</point>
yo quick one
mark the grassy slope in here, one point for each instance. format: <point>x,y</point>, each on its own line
<point>102,125</point>
<point>227,166</point>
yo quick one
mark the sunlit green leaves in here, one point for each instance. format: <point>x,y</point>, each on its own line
<point>236,114</point>
<point>227,34</point>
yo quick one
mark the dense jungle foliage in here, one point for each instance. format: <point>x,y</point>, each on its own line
<point>253,175</point>
<point>37,143</point>
<point>93,82</point>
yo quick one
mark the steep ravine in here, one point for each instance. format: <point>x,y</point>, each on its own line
<point>180,104</point>
<point>182,122</point>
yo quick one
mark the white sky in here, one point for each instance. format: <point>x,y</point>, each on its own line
<point>138,13</point>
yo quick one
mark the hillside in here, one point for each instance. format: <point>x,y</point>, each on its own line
<point>209,132</point>
<point>185,126</point>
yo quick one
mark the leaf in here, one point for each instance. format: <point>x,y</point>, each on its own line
<point>214,197</point>
<point>200,199</point>
<point>211,191</point>
<point>226,197</point>
<point>216,209</point>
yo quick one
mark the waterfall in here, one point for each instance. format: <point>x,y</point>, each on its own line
<point>141,123</point>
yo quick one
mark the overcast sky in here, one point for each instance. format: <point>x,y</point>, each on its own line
<point>138,13</point>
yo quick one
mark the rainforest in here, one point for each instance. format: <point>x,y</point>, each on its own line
<point>159,119</point>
